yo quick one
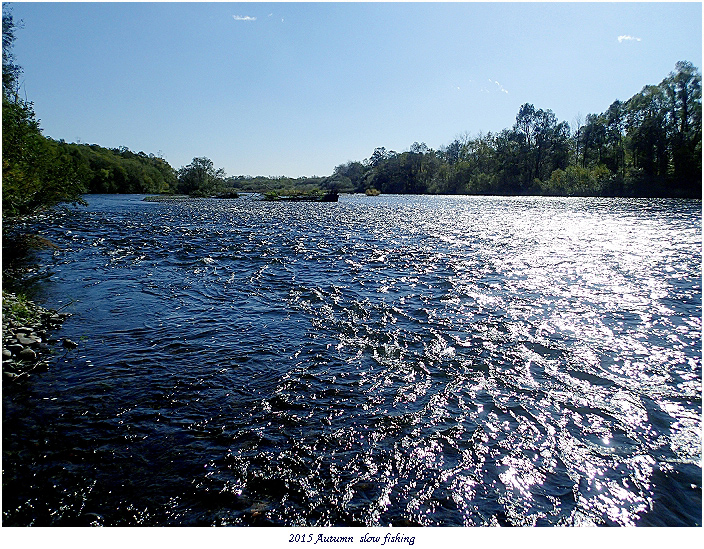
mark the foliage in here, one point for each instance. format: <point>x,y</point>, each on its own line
<point>18,307</point>
<point>36,173</point>
<point>39,172</point>
<point>649,145</point>
<point>10,71</point>
<point>119,170</point>
<point>200,178</point>
<point>578,181</point>
<point>262,184</point>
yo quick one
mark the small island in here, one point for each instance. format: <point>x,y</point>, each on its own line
<point>316,195</point>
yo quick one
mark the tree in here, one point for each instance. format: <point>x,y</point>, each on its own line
<point>509,174</point>
<point>10,71</point>
<point>684,93</point>
<point>451,154</point>
<point>35,175</point>
<point>419,148</point>
<point>200,178</point>
<point>378,156</point>
<point>577,125</point>
<point>348,176</point>
<point>593,139</point>
<point>543,143</point>
<point>615,155</point>
<point>647,131</point>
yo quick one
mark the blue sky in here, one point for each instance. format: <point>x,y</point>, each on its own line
<point>296,89</point>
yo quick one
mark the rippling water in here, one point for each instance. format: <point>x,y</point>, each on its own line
<point>376,361</point>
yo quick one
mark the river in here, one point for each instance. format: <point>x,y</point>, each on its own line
<point>391,360</point>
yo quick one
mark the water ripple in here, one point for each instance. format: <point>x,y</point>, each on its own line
<point>403,360</point>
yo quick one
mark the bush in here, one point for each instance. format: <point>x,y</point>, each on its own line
<point>35,173</point>
<point>578,181</point>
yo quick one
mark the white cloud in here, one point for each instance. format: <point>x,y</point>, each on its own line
<point>243,18</point>
<point>501,88</point>
<point>628,37</point>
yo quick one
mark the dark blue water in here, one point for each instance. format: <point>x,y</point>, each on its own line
<point>389,360</point>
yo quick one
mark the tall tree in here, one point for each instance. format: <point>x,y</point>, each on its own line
<point>543,143</point>
<point>576,132</point>
<point>10,71</point>
<point>615,155</point>
<point>684,92</point>
<point>35,175</point>
<point>200,178</point>
<point>647,130</point>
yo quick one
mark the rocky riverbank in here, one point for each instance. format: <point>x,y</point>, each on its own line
<point>27,338</point>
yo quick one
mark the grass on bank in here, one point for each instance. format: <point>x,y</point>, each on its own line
<point>17,307</point>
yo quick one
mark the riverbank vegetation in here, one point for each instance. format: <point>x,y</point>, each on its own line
<point>35,173</point>
<point>649,145</point>
<point>297,195</point>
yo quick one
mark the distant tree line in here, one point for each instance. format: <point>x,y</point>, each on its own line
<point>650,145</point>
<point>40,172</point>
<point>101,170</point>
<point>262,183</point>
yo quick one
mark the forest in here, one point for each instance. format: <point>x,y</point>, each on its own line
<point>647,146</point>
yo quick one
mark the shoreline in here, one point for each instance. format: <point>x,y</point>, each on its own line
<point>28,340</point>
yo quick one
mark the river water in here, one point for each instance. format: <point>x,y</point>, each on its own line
<point>392,360</point>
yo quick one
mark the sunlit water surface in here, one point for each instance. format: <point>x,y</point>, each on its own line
<point>389,360</point>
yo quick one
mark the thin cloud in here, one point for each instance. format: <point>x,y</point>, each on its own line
<point>243,18</point>
<point>628,37</point>
<point>501,88</point>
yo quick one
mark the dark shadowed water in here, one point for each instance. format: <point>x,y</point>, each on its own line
<point>390,360</point>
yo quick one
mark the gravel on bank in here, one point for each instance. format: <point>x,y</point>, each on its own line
<point>27,339</point>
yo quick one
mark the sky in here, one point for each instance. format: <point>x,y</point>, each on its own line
<point>296,89</point>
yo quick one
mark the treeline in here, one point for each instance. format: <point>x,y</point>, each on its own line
<point>101,170</point>
<point>35,173</point>
<point>262,183</point>
<point>650,145</point>
<point>39,172</point>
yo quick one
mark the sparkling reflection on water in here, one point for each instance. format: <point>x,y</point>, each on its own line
<point>388,360</point>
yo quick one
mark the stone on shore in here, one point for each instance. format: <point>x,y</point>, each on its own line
<point>27,341</point>
<point>25,327</point>
<point>27,354</point>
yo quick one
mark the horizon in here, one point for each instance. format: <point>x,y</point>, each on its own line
<point>295,90</point>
